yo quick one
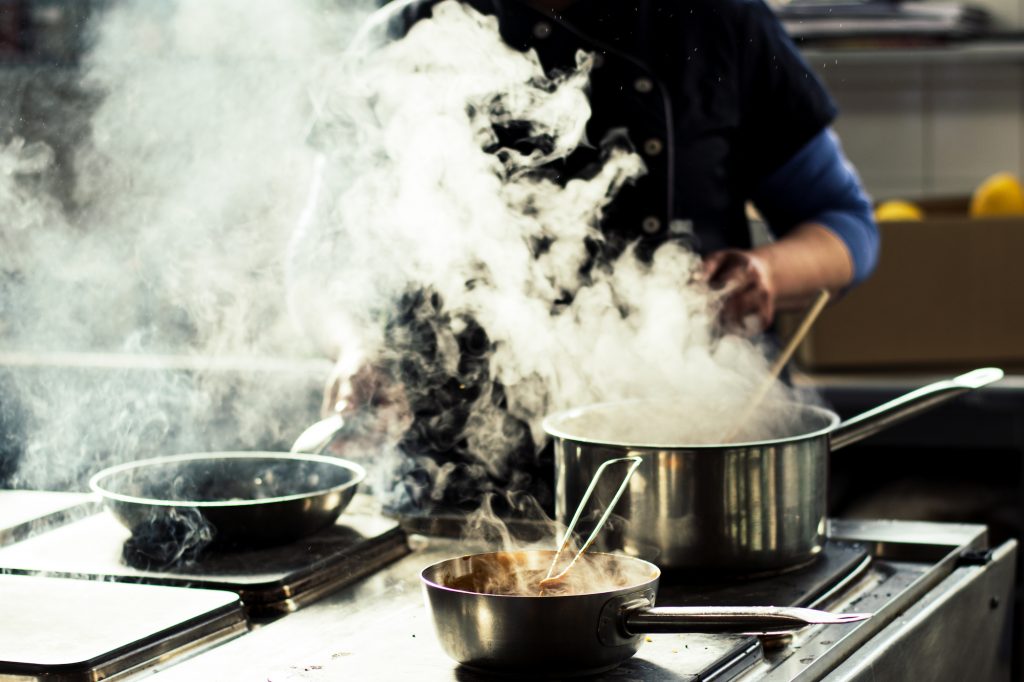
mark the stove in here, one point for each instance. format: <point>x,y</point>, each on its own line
<point>270,581</point>
<point>74,610</point>
<point>941,598</point>
<point>67,630</point>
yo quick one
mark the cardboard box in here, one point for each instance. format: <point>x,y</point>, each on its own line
<point>948,292</point>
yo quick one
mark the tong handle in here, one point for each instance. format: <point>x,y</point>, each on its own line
<point>636,460</point>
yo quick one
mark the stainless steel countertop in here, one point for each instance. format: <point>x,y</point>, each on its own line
<point>380,629</point>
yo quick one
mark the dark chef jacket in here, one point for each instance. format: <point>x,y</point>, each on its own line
<point>715,98</point>
<point>712,93</point>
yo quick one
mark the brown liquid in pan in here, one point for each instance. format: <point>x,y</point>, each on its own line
<point>520,573</point>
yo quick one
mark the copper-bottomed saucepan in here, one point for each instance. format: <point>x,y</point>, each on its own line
<point>587,631</point>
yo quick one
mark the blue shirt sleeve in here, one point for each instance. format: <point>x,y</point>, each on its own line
<point>819,185</point>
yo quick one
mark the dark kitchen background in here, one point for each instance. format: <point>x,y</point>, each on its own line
<point>932,104</point>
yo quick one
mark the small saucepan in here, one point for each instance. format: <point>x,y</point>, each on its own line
<point>488,616</point>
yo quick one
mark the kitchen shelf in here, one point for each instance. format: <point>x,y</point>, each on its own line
<point>991,50</point>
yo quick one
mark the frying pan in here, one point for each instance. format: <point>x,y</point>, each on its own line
<point>575,634</point>
<point>238,498</point>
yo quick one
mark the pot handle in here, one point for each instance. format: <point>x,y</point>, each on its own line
<point>724,619</point>
<point>906,406</point>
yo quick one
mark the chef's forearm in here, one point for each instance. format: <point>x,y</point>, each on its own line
<point>809,258</point>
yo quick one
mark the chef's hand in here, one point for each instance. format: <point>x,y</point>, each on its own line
<point>368,388</point>
<point>374,408</point>
<point>745,279</point>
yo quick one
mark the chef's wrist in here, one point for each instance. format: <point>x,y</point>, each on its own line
<point>802,263</point>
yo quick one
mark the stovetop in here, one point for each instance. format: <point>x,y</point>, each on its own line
<point>270,580</point>
<point>839,563</point>
<point>385,631</point>
<point>70,630</point>
<point>377,627</point>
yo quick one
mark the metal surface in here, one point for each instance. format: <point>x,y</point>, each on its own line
<point>244,498</point>
<point>25,512</point>
<point>744,507</point>
<point>270,580</point>
<point>379,628</point>
<point>72,630</point>
<point>963,631</point>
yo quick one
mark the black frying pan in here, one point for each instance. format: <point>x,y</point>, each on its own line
<point>230,498</point>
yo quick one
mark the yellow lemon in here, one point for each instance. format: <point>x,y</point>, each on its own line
<point>998,195</point>
<point>898,210</point>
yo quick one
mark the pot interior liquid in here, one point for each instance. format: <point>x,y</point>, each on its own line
<point>680,424</point>
<point>519,574</point>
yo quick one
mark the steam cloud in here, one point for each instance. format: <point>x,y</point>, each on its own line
<point>432,206</point>
<point>250,189</point>
<point>167,245</point>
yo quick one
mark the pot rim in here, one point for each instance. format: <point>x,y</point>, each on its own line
<point>97,480</point>
<point>434,585</point>
<point>551,427</point>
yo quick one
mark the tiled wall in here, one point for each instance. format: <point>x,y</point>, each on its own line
<point>928,128</point>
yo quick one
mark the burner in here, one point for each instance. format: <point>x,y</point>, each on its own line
<point>838,563</point>
<point>91,630</point>
<point>270,580</point>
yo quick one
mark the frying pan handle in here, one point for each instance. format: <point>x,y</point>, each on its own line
<point>735,619</point>
<point>906,406</point>
<point>315,439</point>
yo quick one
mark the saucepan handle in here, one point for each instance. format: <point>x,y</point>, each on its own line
<point>906,406</point>
<point>736,619</point>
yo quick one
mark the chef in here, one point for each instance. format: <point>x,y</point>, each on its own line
<point>725,113</point>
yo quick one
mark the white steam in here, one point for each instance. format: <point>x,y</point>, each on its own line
<point>170,240</point>
<point>243,172</point>
<point>432,206</point>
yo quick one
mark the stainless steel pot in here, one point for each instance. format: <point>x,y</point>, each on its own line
<point>577,633</point>
<point>243,498</point>
<point>743,507</point>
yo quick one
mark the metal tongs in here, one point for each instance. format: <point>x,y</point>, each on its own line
<point>550,579</point>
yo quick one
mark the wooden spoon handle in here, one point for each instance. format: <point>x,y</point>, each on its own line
<point>780,362</point>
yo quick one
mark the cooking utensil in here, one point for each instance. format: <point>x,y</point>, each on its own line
<point>780,362</point>
<point>742,507</point>
<point>249,498</point>
<point>550,579</point>
<point>575,633</point>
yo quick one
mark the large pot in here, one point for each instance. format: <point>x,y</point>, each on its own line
<point>745,507</point>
